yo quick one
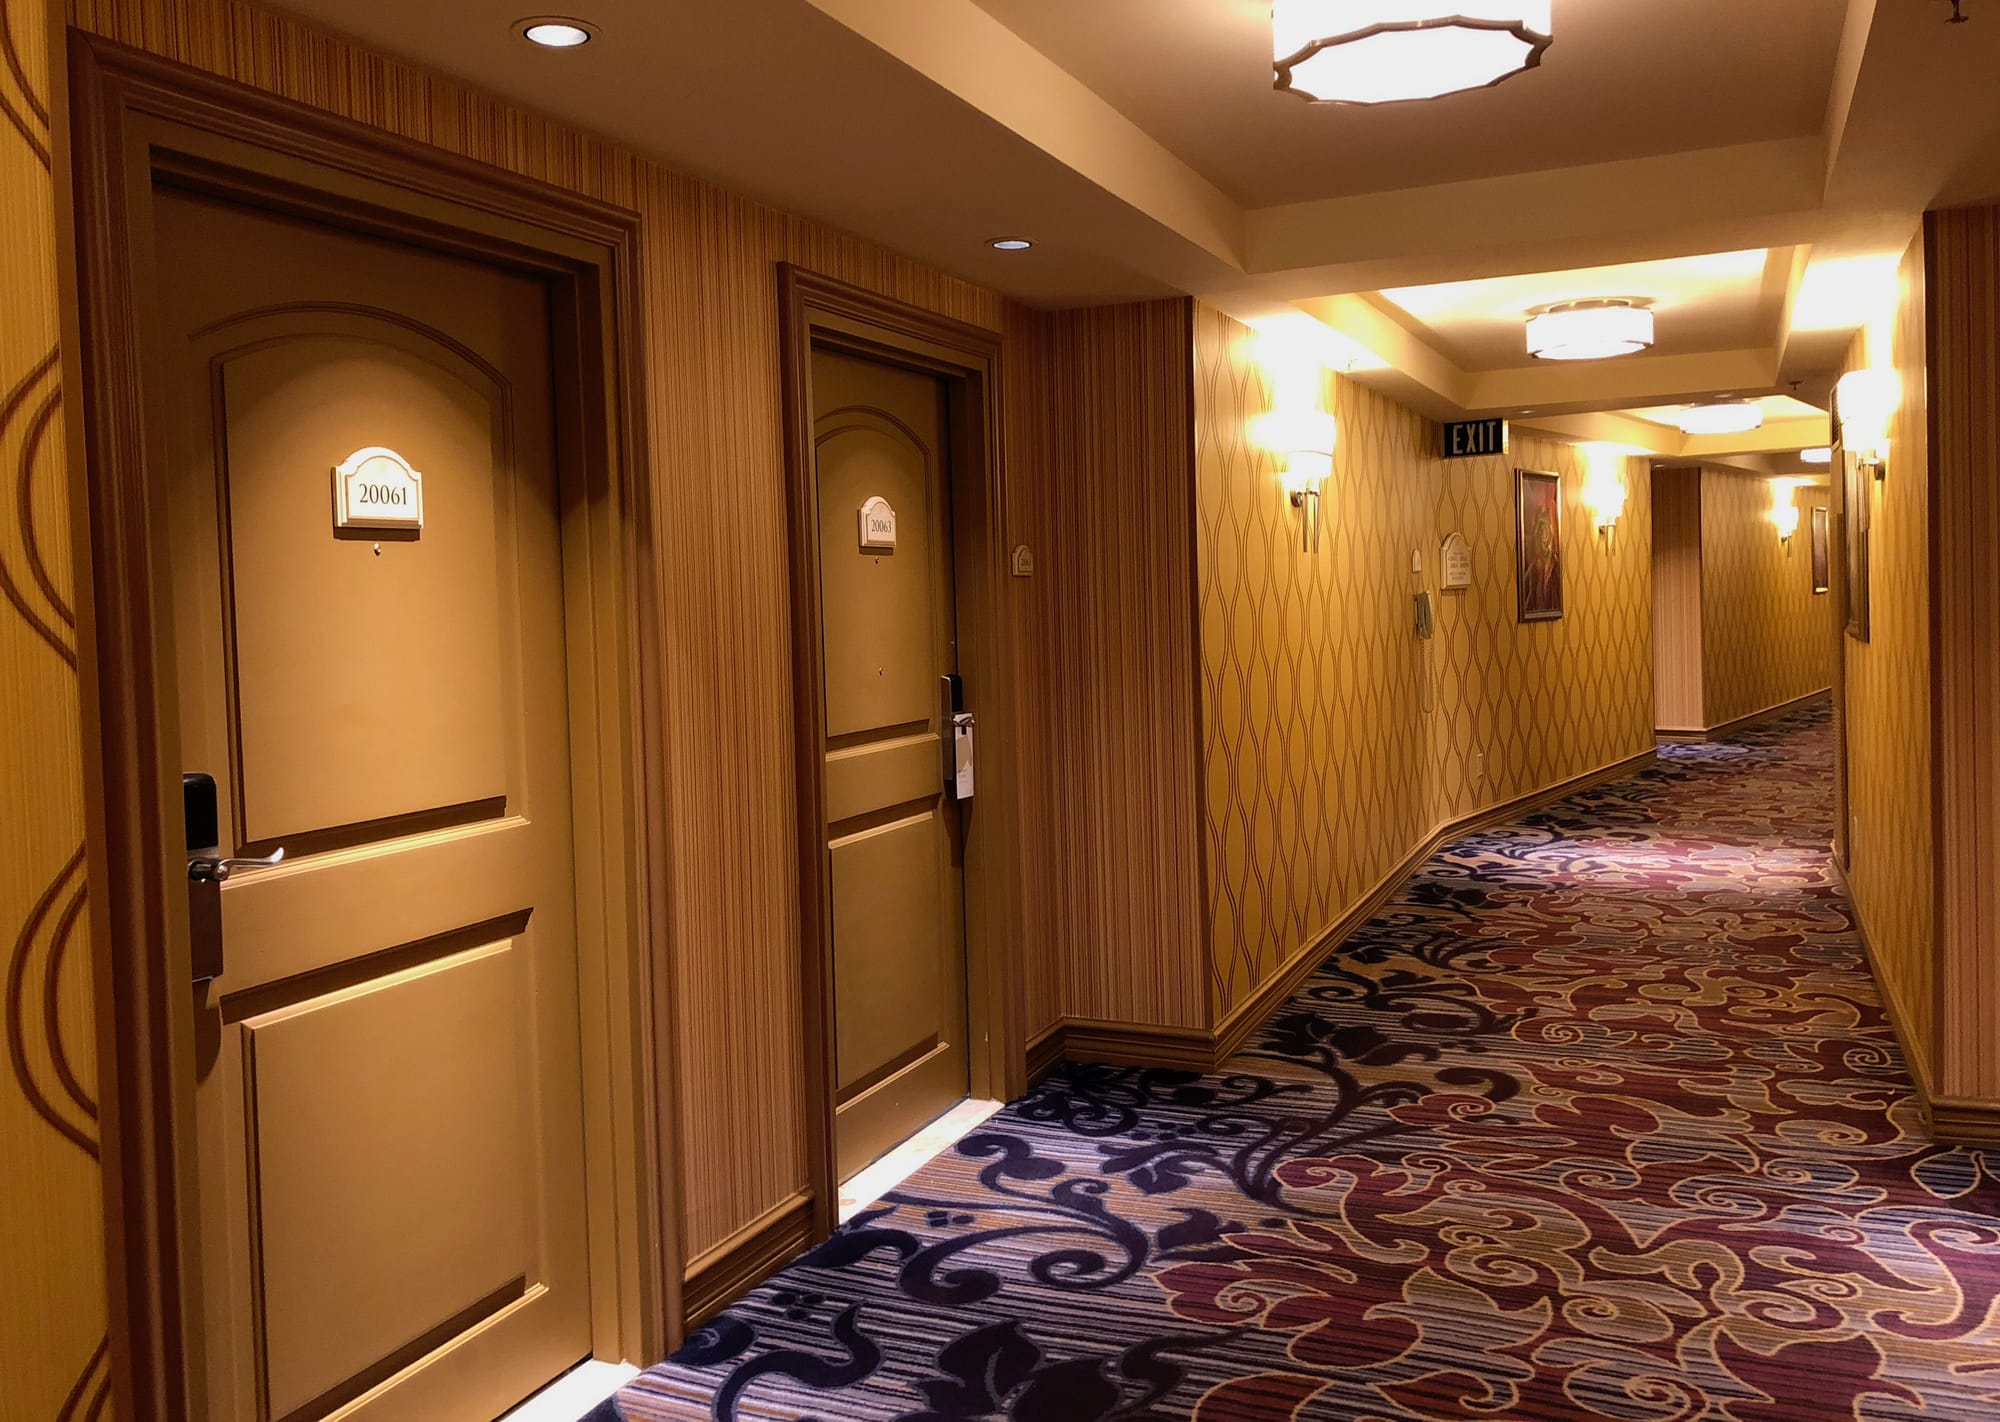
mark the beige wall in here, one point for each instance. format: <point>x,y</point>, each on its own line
<point>52,1311</point>
<point>1334,741</point>
<point>1113,907</point>
<point>1098,487</point>
<point>1962,375</point>
<point>1886,705</point>
<point>1313,735</point>
<point>1766,638</point>
<point>1545,701</point>
<point>1677,689</point>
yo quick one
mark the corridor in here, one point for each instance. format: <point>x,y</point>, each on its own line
<point>1600,1118</point>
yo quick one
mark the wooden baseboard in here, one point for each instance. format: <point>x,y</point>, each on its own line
<point>719,1276</point>
<point>1045,1053</point>
<point>1138,1044</point>
<point>1955,1120</point>
<point>1724,730</point>
<point>1202,1049</point>
<point>1960,1122</point>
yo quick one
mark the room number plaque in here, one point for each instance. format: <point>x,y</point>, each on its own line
<point>377,488</point>
<point>878,526</point>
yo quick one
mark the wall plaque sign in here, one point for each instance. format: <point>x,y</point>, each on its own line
<point>377,488</point>
<point>1455,559</point>
<point>878,525</point>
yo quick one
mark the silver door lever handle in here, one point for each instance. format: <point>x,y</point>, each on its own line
<point>216,870</point>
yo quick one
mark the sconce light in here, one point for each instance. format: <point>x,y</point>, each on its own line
<point>1865,402</point>
<point>1784,511</point>
<point>1604,488</point>
<point>1305,437</point>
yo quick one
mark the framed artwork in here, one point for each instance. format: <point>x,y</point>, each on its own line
<point>1820,552</point>
<point>1854,525</point>
<point>1538,571</point>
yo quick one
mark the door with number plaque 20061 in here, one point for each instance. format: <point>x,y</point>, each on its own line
<point>368,625</point>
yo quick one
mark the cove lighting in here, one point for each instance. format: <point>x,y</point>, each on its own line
<point>1725,417</point>
<point>1010,244</point>
<point>1386,51</point>
<point>1821,455</point>
<point>1589,330</point>
<point>555,32</point>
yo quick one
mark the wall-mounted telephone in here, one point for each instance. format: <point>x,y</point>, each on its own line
<point>1426,628</point>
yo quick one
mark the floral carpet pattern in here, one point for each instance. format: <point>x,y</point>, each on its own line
<point>1600,1118</point>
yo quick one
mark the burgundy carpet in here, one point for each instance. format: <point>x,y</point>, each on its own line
<point>1601,1118</point>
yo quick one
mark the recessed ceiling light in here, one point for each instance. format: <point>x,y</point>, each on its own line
<point>1821,455</point>
<point>1723,418</point>
<point>1010,244</point>
<point>1589,330</point>
<point>555,31</point>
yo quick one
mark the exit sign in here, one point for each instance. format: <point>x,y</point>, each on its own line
<point>1468,439</point>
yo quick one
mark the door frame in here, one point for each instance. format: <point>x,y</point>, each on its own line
<point>818,312</point>
<point>136,117</point>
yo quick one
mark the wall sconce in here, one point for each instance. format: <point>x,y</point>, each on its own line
<point>1604,489</point>
<point>1865,403</point>
<point>1305,437</point>
<point>1784,512</point>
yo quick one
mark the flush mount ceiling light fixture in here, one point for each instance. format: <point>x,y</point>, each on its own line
<point>554,31</point>
<point>1589,330</point>
<point>1725,417</point>
<point>1387,51</point>
<point>1010,244</point>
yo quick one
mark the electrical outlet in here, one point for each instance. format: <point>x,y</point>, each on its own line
<point>1479,765</point>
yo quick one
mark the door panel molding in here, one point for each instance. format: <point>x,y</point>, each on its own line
<point>817,312</point>
<point>137,120</point>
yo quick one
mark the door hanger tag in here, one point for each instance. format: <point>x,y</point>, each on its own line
<point>961,755</point>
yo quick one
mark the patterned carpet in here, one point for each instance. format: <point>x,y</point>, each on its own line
<point>1600,1118</point>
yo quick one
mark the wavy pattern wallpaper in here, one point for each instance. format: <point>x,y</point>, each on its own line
<point>1334,741</point>
<point>1766,637</point>
<point>52,1311</point>
<point>1887,701</point>
<point>1543,702</point>
<point>1313,733</point>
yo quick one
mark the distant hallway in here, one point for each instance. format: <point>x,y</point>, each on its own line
<point>1600,1118</point>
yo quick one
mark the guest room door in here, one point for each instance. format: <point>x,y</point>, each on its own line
<point>894,832</point>
<point>366,559</point>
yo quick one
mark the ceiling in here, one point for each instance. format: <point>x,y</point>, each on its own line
<point>1617,83</point>
<point>1713,301</point>
<point>1754,169</point>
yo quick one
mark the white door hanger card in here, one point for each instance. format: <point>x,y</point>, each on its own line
<point>377,488</point>
<point>961,755</point>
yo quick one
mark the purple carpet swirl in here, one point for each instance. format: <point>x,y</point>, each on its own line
<point>1601,1117</point>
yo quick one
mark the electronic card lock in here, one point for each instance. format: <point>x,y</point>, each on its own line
<point>958,768</point>
<point>207,869</point>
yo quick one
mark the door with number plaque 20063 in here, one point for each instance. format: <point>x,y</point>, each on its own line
<point>893,824</point>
